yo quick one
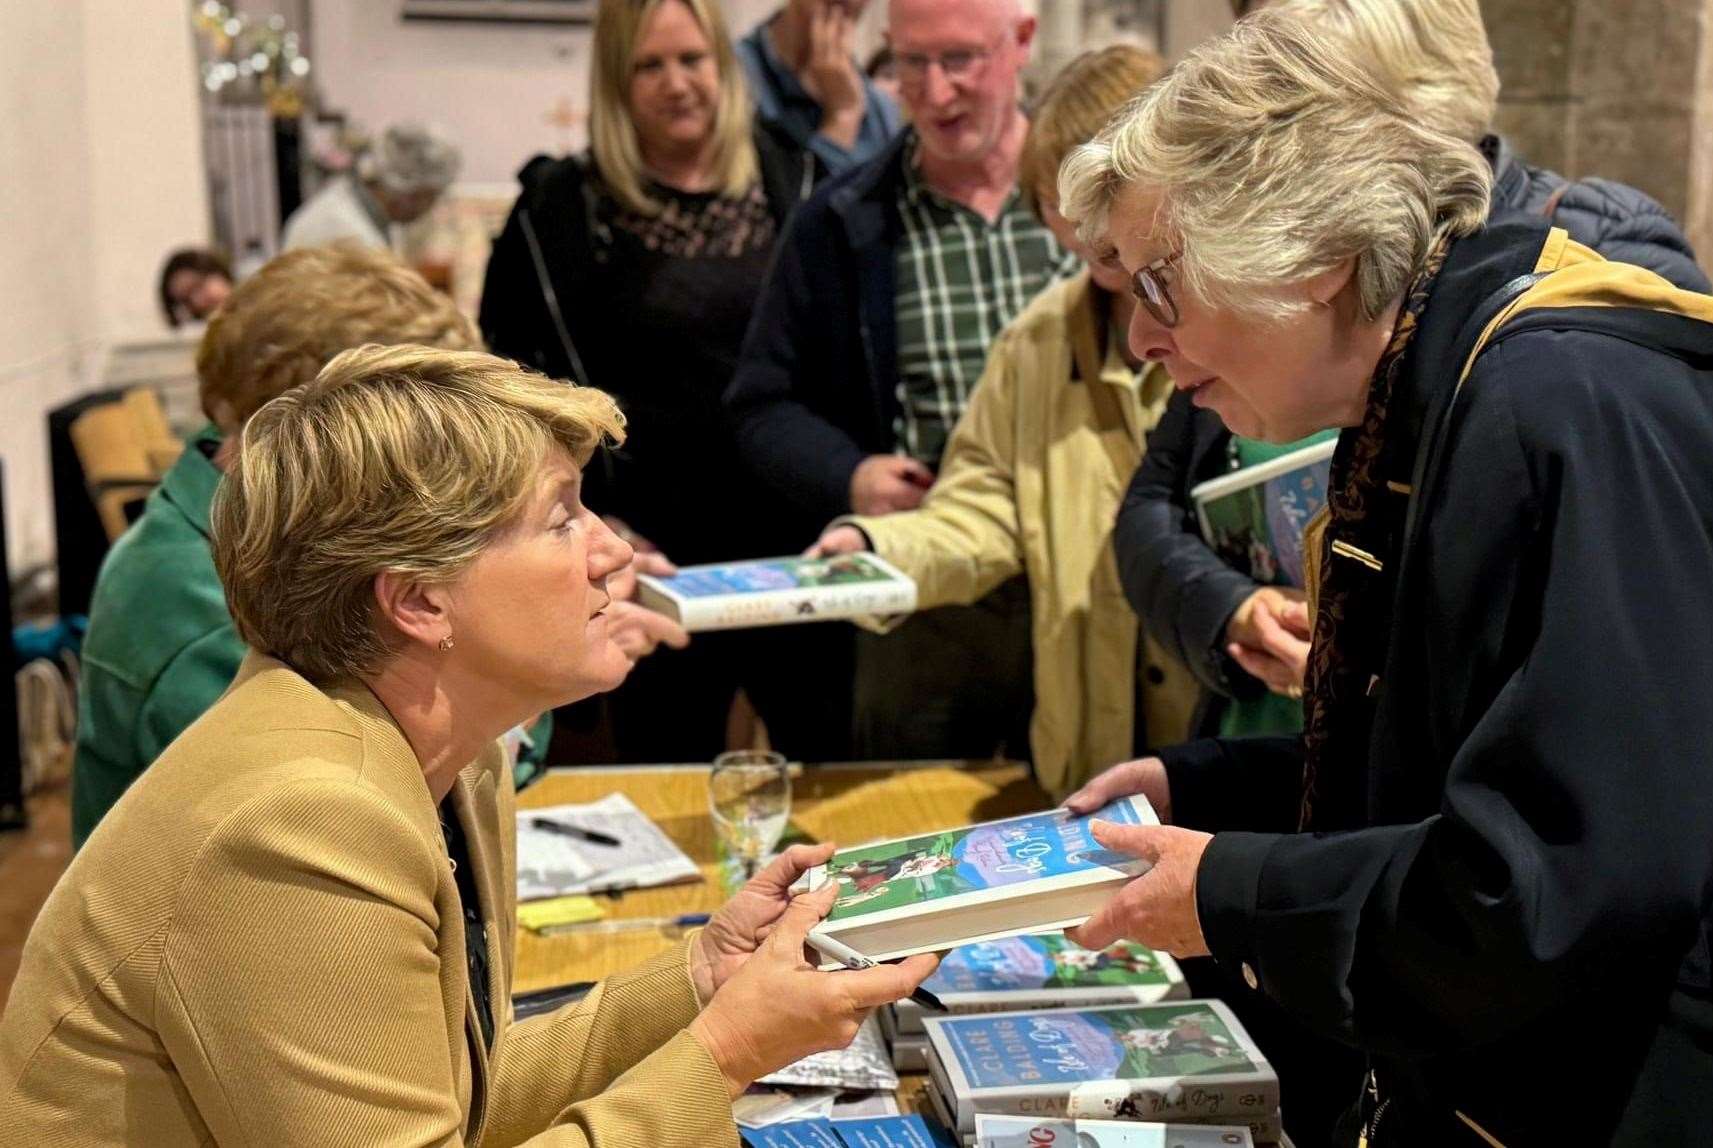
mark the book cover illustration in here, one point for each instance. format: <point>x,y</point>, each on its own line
<point>1045,961</point>
<point>1258,527</point>
<point>909,1131</point>
<point>1074,1046</point>
<point>778,574</point>
<point>914,871</point>
<point>815,1133</point>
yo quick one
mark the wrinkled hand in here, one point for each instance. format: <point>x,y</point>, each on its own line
<point>1146,776</point>
<point>744,922</point>
<point>1268,636</point>
<point>830,76</point>
<point>778,1008</point>
<point>1158,908</point>
<point>838,540</point>
<point>884,483</point>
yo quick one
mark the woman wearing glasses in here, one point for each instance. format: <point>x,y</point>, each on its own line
<point>634,267</point>
<point>1487,861</point>
<point>1032,475</point>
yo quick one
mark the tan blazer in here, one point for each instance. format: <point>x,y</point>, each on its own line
<point>262,944</point>
<point>1030,483</point>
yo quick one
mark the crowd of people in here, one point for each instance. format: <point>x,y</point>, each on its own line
<point>1436,821</point>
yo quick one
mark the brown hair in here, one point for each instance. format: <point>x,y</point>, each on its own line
<point>283,323</point>
<point>1081,100</point>
<point>403,458</point>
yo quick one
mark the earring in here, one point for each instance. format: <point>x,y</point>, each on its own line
<point>446,642</point>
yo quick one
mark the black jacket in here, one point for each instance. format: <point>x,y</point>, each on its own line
<point>562,295</point>
<point>813,394</point>
<point>1516,921</point>
<point>1183,591</point>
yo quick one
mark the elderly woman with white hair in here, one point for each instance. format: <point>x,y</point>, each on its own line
<point>1488,861</point>
<point>398,179</point>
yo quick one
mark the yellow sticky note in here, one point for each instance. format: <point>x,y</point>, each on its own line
<point>554,911</point>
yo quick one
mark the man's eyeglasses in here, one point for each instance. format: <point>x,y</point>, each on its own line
<point>1149,287</point>
<point>957,65</point>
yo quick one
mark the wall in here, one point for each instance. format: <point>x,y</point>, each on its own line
<point>103,166</point>
<point>505,92</point>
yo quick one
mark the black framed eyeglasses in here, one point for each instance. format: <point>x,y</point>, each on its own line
<point>1149,287</point>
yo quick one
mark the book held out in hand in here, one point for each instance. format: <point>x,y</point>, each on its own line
<point>1254,518</point>
<point>1173,1062</point>
<point>1046,1132</point>
<point>1044,970</point>
<point>934,891</point>
<point>776,591</point>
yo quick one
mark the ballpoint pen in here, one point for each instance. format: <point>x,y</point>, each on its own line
<point>851,959</point>
<point>626,924</point>
<point>593,837</point>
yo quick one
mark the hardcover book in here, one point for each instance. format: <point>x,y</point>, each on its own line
<point>1026,1132</point>
<point>1044,970</point>
<point>1181,1061</point>
<point>1254,518</point>
<point>935,891</point>
<point>775,591</point>
<point>865,1132</point>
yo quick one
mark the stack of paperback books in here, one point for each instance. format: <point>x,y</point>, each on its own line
<point>1179,1062</point>
<point>1038,971</point>
<point>1027,1132</point>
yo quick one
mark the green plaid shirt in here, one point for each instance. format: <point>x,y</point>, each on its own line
<point>960,280</point>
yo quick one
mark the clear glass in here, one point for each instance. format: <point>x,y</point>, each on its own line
<point>749,797</point>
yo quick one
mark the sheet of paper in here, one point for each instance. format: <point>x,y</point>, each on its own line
<point>552,864</point>
<point>761,1106</point>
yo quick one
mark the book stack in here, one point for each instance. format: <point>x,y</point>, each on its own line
<point>872,1132</point>
<point>1045,1132</point>
<point>1179,1062</point>
<point>1036,971</point>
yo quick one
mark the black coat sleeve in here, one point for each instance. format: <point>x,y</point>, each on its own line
<point>1249,784</point>
<point>1574,833</point>
<point>1182,590</point>
<point>786,441</point>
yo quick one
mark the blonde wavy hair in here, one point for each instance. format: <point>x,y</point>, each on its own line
<point>1276,157</point>
<point>1078,103</point>
<point>284,322</point>
<point>403,458</point>
<point>612,132</point>
<point>1434,53</point>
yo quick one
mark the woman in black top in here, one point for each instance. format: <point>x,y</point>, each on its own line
<point>634,268</point>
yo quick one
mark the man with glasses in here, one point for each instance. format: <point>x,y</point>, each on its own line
<point>889,286</point>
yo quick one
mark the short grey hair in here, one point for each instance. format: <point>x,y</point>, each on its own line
<point>1433,53</point>
<point>411,157</point>
<point>1275,157</point>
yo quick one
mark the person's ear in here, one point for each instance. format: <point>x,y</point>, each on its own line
<point>1025,33</point>
<point>1322,289</point>
<point>420,611</point>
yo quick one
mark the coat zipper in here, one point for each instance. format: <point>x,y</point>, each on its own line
<point>1371,1126</point>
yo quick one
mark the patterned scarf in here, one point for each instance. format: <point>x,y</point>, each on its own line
<point>1351,586</point>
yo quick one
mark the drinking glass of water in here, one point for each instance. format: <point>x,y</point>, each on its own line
<point>749,795</point>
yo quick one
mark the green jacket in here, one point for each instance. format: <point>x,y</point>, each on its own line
<point>161,646</point>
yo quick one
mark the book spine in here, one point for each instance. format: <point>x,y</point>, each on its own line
<point>1169,1101</point>
<point>739,611</point>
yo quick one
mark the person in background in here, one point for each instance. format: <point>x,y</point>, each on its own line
<point>635,267</point>
<point>398,180</point>
<point>882,72</point>
<point>891,285</point>
<point>162,645</point>
<point>297,927</point>
<point>806,83</point>
<point>1248,642</point>
<point>194,283</point>
<point>1032,475</point>
<point>1496,824</point>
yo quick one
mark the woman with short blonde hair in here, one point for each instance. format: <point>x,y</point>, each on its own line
<point>297,926</point>
<point>1453,867</point>
<point>635,267</point>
